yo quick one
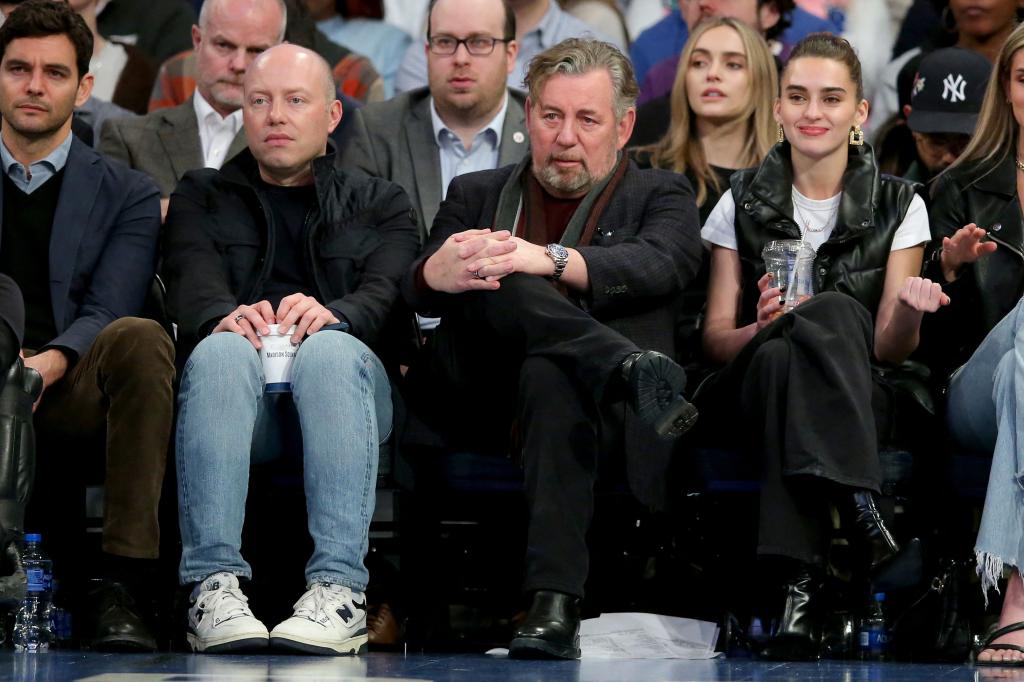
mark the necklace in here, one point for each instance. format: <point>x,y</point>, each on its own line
<point>1020,164</point>
<point>807,223</point>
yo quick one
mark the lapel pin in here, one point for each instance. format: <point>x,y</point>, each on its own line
<point>518,137</point>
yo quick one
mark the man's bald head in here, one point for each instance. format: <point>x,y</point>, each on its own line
<point>304,59</point>
<point>240,10</point>
<point>289,109</point>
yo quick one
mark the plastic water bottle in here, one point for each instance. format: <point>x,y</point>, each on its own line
<point>33,624</point>
<point>873,636</point>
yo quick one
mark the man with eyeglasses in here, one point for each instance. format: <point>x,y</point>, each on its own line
<point>466,120</point>
<point>541,24</point>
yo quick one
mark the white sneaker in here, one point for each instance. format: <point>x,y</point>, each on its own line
<point>327,619</point>
<point>219,619</point>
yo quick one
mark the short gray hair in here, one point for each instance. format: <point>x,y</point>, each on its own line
<point>204,15</point>
<point>579,56</point>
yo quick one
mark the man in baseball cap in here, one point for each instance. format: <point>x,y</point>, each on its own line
<point>944,105</point>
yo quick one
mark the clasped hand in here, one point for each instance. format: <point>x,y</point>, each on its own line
<point>479,259</point>
<point>251,321</point>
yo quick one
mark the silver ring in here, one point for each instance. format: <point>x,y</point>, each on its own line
<point>476,274</point>
<point>238,317</point>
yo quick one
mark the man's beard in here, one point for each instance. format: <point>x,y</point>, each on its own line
<point>550,177</point>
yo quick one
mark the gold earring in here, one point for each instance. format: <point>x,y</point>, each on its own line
<point>782,134</point>
<point>856,136</point>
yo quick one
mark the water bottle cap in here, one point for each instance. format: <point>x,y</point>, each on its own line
<point>33,537</point>
<point>880,596</point>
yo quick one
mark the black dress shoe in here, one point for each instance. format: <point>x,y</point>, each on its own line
<point>797,636</point>
<point>888,566</point>
<point>551,628</point>
<point>655,383</point>
<point>114,622</point>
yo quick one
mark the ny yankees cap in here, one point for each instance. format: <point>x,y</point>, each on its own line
<point>948,90</point>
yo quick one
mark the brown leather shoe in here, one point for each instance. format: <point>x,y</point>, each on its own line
<point>382,626</point>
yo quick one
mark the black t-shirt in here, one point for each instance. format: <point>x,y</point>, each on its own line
<point>289,208</point>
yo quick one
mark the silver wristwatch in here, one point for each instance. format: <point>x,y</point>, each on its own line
<point>560,255</point>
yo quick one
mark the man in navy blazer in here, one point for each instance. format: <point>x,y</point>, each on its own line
<point>79,237</point>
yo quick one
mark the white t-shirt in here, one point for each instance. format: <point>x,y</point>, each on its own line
<point>720,227</point>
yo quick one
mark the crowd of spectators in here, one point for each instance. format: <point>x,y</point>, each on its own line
<point>534,230</point>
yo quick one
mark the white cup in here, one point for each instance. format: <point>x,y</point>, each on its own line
<point>277,355</point>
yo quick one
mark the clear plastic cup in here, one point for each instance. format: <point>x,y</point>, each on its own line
<point>791,264</point>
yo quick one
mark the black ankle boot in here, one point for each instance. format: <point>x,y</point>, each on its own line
<point>654,387</point>
<point>551,628</point>
<point>797,637</point>
<point>888,566</point>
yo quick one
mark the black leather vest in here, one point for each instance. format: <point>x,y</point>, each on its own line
<point>854,258</point>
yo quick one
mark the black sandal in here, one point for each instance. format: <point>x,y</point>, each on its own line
<point>1012,627</point>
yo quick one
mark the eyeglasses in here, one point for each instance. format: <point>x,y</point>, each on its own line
<point>954,143</point>
<point>478,46</point>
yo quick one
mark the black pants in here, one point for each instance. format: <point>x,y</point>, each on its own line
<point>524,355</point>
<point>805,395</point>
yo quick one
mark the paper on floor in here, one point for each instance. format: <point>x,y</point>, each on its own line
<point>647,635</point>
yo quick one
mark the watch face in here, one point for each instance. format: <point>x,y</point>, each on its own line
<point>558,251</point>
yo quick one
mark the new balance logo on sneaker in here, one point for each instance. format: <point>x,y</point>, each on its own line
<point>219,619</point>
<point>346,614</point>
<point>327,619</point>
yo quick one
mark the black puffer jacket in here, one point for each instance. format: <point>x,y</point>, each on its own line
<point>219,245</point>
<point>854,258</point>
<point>984,292</point>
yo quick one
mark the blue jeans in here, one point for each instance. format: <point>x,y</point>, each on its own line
<point>343,400</point>
<point>983,415</point>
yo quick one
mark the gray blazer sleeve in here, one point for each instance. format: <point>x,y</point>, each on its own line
<point>358,152</point>
<point>112,142</point>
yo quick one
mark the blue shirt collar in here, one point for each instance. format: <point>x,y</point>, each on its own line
<point>495,125</point>
<point>55,160</point>
<point>548,26</point>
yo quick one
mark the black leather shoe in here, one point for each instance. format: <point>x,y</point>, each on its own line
<point>654,385</point>
<point>888,565</point>
<point>551,628</point>
<point>114,621</point>
<point>797,636</point>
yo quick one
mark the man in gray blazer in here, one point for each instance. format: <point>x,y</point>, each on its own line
<point>466,120</point>
<point>206,130</point>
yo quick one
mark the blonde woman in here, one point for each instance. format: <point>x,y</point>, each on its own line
<point>721,109</point>
<point>978,255</point>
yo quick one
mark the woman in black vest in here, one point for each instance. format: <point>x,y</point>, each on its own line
<point>979,258</point>
<point>803,381</point>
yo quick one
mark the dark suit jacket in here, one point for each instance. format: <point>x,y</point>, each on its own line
<point>395,140</point>
<point>103,246</point>
<point>164,144</point>
<point>645,250</point>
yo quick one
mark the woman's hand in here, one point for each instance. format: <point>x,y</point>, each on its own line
<point>768,305</point>
<point>922,295</point>
<point>965,246</point>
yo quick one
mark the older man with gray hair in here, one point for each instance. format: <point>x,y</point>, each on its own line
<point>205,131</point>
<point>546,312</point>
<point>280,248</point>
